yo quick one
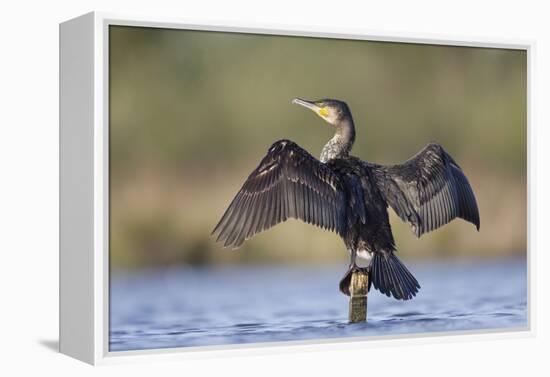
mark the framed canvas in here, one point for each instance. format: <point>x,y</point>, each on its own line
<point>185,148</point>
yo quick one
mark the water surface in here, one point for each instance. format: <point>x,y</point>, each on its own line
<point>247,304</point>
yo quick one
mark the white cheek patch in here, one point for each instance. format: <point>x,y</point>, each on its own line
<point>331,118</point>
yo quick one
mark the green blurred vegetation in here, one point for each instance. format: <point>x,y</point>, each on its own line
<point>192,113</point>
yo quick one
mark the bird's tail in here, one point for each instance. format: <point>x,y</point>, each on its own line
<point>391,277</point>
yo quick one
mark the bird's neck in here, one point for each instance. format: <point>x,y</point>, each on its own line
<point>341,143</point>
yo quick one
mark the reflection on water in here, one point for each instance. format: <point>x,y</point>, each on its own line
<point>246,304</point>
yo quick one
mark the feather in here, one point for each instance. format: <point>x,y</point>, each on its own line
<point>288,182</point>
<point>434,187</point>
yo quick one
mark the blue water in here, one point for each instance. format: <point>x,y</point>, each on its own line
<point>184,307</point>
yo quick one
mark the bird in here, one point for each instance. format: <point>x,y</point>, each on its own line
<point>342,193</point>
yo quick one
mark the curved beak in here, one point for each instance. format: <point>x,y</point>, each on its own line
<point>310,105</point>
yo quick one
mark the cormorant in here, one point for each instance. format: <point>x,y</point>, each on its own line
<point>344,194</point>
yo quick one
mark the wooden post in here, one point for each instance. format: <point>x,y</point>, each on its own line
<point>358,289</point>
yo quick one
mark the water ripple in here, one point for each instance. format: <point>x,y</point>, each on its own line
<point>199,307</point>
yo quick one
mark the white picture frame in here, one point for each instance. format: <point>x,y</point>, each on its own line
<point>84,195</point>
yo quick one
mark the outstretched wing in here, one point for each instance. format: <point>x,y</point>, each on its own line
<point>428,191</point>
<point>288,183</point>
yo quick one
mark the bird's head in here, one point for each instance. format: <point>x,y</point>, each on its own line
<point>332,111</point>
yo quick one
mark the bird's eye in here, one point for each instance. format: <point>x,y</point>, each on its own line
<point>323,111</point>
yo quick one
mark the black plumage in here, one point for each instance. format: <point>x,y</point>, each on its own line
<point>344,194</point>
<point>288,183</point>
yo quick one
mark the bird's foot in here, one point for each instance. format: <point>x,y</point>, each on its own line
<point>346,280</point>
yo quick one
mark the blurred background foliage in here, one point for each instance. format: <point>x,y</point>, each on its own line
<point>193,112</point>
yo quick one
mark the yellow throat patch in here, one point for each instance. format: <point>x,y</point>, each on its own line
<point>323,111</point>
